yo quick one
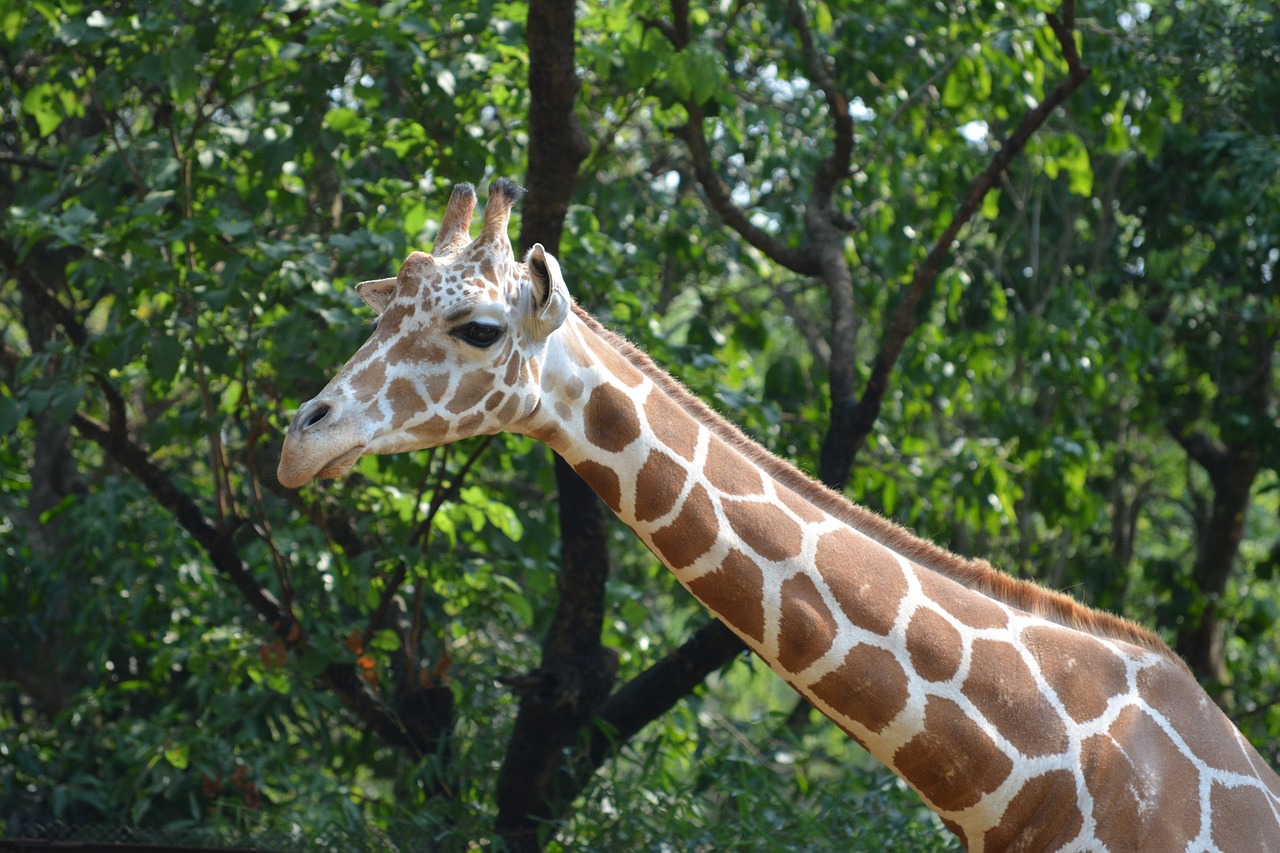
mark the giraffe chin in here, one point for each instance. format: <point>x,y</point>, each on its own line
<point>341,465</point>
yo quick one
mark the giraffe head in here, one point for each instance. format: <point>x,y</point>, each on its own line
<point>457,350</point>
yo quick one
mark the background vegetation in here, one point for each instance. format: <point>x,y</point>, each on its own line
<point>1005,271</point>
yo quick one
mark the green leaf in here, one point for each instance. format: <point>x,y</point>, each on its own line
<point>385,640</point>
<point>519,607</point>
<point>65,401</point>
<point>179,756</point>
<point>41,103</point>
<point>233,225</point>
<point>10,23</point>
<point>166,356</point>
<point>955,92</point>
<point>10,414</point>
<point>415,218</point>
<point>345,121</point>
<point>1078,168</point>
<point>703,70</point>
<point>991,204</point>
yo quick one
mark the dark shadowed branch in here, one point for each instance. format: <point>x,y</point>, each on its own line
<point>852,421</point>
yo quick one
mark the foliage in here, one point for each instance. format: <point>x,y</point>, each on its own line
<point>192,187</point>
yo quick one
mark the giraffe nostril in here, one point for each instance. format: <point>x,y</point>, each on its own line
<point>319,413</point>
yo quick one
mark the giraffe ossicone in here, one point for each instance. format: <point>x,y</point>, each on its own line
<point>1026,721</point>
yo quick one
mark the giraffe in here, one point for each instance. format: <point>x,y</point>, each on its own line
<point>1023,719</point>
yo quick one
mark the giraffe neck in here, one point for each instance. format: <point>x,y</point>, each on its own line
<point>989,696</point>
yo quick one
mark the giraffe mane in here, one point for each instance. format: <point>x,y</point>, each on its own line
<point>975,574</point>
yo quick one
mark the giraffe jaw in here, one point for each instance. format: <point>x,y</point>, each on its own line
<point>340,465</point>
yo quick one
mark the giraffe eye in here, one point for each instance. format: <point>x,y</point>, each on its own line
<point>478,334</point>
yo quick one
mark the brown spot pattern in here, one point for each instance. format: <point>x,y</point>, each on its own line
<point>736,592</point>
<point>804,510</point>
<point>578,355</point>
<point>603,481</point>
<point>467,425</point>
<point>390,322</point>
<point>969,607</point>
<point>1004,691</point>
<point>935,647</point>
<point>368,381</point>
<point>471,389</point>
<point>513,369</point>
<point>1081,673</point>
<point>416,266</point>
<point>869,687</point>
<point>764,528</point>
<point>550,434</point>
<point>672,426</point>
<point>437,386</point>
<point>508,411</point>
<point>691,534</point>
<point>432,428</point>
<point>413,348</point>
<point>403,397</point>
<point>609,419</point>
<point>658,484</point>
<point>1170,691</point>
<point>614,362</point>
<point>865,579</point>
<point>952,762</point>
<point>730,472</point>
<point>807,627</point>
<point>1145,793</point>
<point>1252,826</point>
<point>1044,815</point>
<point>958,830</point>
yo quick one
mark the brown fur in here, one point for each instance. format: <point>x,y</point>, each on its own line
<point>977,575</point>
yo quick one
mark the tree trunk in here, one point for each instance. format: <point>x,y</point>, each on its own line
<point>1201,641</point>
<point>577,673</point>
<point>1232,463</point>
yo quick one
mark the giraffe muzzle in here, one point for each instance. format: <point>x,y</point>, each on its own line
<point>318,443</point>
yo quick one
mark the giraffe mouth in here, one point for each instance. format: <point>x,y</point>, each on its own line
<point>340,465</point>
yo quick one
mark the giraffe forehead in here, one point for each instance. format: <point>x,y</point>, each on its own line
<point>455,290</point>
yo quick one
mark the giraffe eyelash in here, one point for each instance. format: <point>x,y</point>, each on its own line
<point>478,334</point>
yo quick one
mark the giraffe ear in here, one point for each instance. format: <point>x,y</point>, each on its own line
<point>549,296</point>
<point>377,294</point>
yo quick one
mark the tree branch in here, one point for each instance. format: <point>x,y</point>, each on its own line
<point>853,423</point>
<point>42,295</point>
<point>656,690</point>
<point>1209,454</point>
<point>835,167</point>
<point>796,259</point>
<point>339,676</point>
<point>114,439</point>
